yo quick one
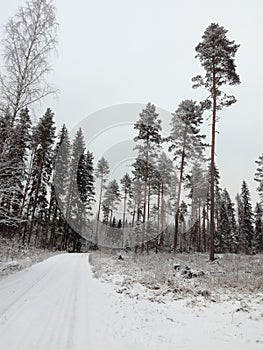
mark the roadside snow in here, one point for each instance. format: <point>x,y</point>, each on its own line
<point>14,257</point>
<point>57,304</point>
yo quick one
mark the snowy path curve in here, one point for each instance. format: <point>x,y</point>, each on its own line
<point>58,305</point>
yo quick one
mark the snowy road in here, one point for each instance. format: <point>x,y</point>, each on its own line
<point>58,305</point>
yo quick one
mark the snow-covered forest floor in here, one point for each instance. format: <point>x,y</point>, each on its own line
<point>166,277</point>
<point>14,257</point>
<point>162,277</point>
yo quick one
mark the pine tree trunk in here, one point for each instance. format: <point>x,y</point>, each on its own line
<point>123,217</point>
<point>162,215</point>
<point>98,215</point>
<point>149,198</point>
<point>145,200</point>
<point>178,200</point>
<point>212,188</point>
<point>158,211</point>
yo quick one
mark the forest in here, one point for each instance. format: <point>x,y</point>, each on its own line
<point>53,196</point>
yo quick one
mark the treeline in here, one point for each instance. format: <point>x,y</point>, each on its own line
<point>48,190</point>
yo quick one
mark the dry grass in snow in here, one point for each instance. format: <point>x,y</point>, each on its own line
<point>164,277</point>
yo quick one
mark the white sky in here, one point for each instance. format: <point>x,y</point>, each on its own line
<point>114,52</point>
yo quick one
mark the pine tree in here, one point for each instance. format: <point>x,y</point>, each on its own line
<point>216,54</point>
<point>165,169</point>
<point>259,177</point>
<point>126,188</point>
<point>110,201</point>
<point>149,127</point>
<point>198,194</point>
<point>186,143</point>
<point>101,172</point>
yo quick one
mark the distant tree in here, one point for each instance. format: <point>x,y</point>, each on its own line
<point>246,220</point>
<point>30,37</point>
<point>183,210</point>
<point>258,235</point>
<point>232,238</point>
<point>259,177</point>
<point>198,193</point>
<point>110,201</point>
<point>165,170</point>
<point>186,143</point>
<point>216,54</point>
<point>149,127</point>
<point>126,188</point>
<point>101,172</point>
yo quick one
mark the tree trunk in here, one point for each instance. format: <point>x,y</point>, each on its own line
<point>162,215</point>
<point>212,187</point>
<point>178,199</point>
<point>149,199</point>
<point>98,215</point>
<point>123,217</point>
<point>145,200</point>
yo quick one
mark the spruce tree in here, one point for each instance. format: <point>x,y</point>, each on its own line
<point>259,177</point>
<point>246,220</point>
<point>258,234</point>
<point>41,172</point>
<point>75,208</point>
<point>59,185</point>
<point>216,54</point>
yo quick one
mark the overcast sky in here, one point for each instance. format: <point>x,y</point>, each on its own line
<point>117,51</point>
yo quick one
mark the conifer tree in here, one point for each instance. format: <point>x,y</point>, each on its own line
<point>216,54</point>
<point>246,220</point>
<point>75,208</point>
<point>59,186</point>
<point>126,188</point>
<point>149,138</point>
<point>110,201</point>
<point>232,239</point>
<point>258,235</point>
<point>165,169</point>
<point>42,170</point>
<point>259,177</point>
<point>186,142</point>
<point>101,172</point>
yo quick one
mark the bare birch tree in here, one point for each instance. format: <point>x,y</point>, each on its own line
<point>30,37</point>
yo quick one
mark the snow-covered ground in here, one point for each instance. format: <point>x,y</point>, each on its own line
<point>58,304</point>
<point>15,257</point>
